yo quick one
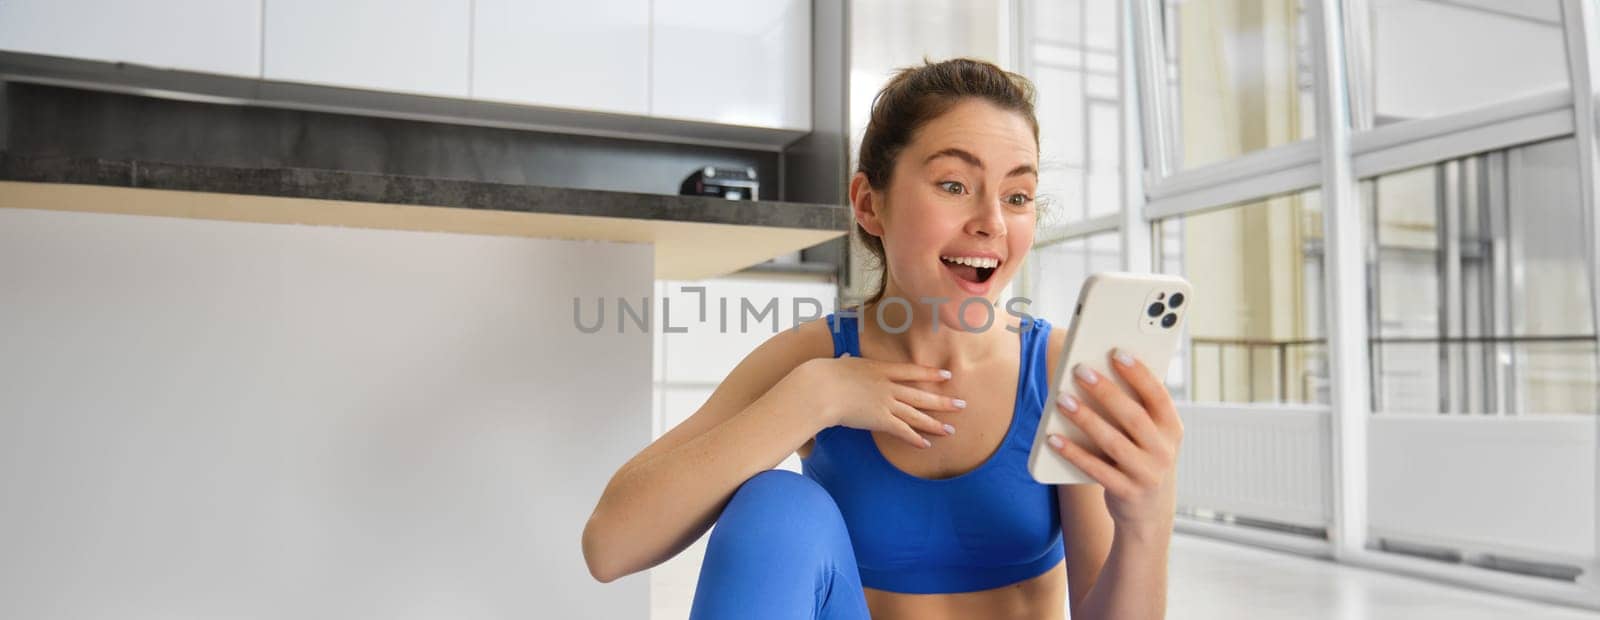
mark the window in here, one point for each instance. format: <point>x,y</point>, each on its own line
<point>1075,66</point>
<point>1432,57</point>
<point>1238,77</point>
<point>1058,270</point>
<point>1481,293</point>
<point>1256,329</point>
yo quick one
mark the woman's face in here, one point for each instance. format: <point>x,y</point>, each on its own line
<point>962,192</point>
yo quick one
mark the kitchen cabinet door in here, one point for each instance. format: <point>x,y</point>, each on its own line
<point>411,46</point>
<point>732,61</point>
<point>591,55</point>
<point>211,36</point>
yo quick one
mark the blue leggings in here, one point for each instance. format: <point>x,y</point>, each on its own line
<point>779,550</point>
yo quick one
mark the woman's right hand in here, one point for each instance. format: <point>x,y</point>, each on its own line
<point>874,395</point>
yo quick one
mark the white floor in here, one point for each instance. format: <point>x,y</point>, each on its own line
<point>1214,579</point>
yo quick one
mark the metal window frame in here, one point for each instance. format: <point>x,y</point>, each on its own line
<point>1344,278</point>
<point>1127,222</point>
<point>1138,235</point>
<point>1347,148</point>
<point>1149,70</point>
<point>1358,65</point>
<point>1581,23</point>
<point>1420,142</point>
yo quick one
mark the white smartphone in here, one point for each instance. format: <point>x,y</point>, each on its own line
<point>1140,313</point>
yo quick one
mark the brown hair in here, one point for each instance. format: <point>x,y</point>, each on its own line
<point>917,95</point>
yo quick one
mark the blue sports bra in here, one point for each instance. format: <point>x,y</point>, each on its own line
<point>990,527</point>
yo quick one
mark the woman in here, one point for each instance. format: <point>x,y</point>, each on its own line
<point>898,512</point>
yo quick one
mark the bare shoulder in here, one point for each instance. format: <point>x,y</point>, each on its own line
<point>749,380</point>
<point>792,347</point>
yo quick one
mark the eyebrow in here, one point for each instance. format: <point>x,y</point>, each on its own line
<point>978,163</point>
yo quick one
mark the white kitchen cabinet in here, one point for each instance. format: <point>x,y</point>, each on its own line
<point>211,36</point>
<point>592,55</point>
<point>411,46</point>
<point>732,61</point>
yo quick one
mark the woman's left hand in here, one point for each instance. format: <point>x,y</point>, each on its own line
<point>1139,466</point>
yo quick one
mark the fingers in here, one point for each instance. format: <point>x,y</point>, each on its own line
<point>1128,413</point>
<point>1095,467</point>
<point>920,421</point>
<point>900,429</point>
<point>1150,389</point>
<point>925,400</point>
<point>1130,459</point>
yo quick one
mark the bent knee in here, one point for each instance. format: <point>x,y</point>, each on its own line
<point>777,496</point>
<point>783,483</point>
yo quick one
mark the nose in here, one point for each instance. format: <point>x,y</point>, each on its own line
<point>989,221</point>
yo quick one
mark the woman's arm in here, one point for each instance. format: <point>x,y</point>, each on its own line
<point>1087,529</point>
<point>1111,572</point>
<point>667,496</point>
<point>1118,533</point>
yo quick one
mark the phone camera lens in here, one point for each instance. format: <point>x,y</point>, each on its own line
<point>1176,300</point>
<point>1169,320</point>
<point>1156,309</point>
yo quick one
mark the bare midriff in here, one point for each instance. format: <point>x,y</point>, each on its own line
<point>1040,598</point>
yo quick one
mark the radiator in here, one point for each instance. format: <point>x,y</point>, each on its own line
<point>1264,462</point>
<point>1522,486</point>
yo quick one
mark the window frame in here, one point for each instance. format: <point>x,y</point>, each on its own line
<point>1334,161</point>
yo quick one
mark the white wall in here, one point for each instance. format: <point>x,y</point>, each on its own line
<point>205,419</point>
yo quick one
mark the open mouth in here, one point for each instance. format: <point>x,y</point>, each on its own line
<point>971,268</point>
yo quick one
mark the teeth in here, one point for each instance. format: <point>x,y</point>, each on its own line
<point>972,261</point>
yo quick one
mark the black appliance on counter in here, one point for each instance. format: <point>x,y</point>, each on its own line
<point>722,181</point>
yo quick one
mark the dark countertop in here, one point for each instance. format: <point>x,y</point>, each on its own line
<point>422,191</point>
<point>694,237</point>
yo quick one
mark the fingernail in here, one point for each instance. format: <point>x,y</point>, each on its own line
<point>960,404</point>
<point>1086,374</point>
<point>1056,442</point>
<point>949,430</point>
<point>944,373</point>
<point>1123,357</point>
<point>926,443</point>
<point>1069,402</point>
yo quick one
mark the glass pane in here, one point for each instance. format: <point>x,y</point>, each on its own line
<point>1481,286</point>
<point>1256,330</point>
<point>1239,77</point>
<point>1061,139</point>
<point>1105,152</point>
<point>1058,270</point>
<point>1076,66</point>
<point>1431,58</point>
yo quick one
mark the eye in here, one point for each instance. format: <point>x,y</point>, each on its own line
<point>953,187</point>
<point>1019,200</point>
